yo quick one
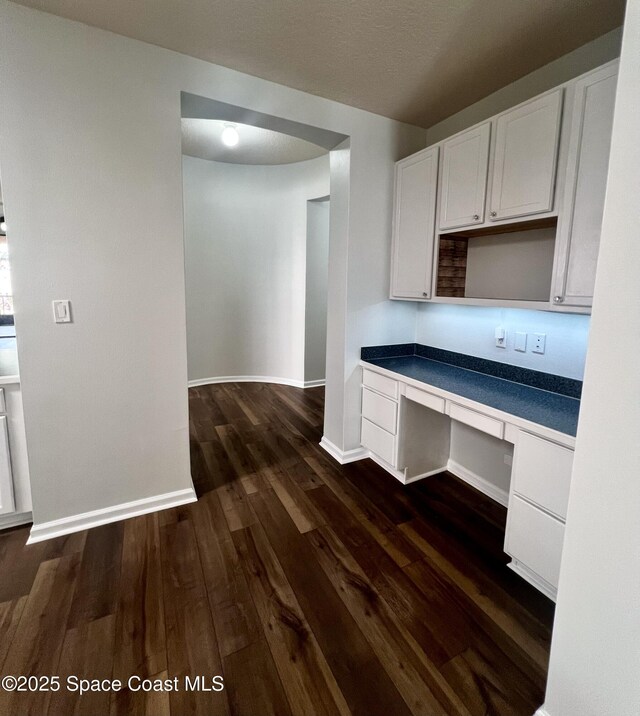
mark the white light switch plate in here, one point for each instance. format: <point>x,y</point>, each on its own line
<point>62,311</point>
<point>520,343</point>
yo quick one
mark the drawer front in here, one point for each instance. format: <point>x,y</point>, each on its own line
<point>488,425</point>
<point>380,383</point>
<point>379,441</point>
<point>534,538</point>
<point>427,399</point>
<point>380,411</point>
<point>542,473</point>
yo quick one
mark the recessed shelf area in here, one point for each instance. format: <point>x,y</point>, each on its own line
<point>503,263</point>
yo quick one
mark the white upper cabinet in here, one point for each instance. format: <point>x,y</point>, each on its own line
<point>525,158</point>
<point>414,225</point>
<point>463,180</point>
<point>580,222</point>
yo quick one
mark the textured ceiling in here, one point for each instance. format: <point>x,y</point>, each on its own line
<point>414,60</point>
<point>201,138</point>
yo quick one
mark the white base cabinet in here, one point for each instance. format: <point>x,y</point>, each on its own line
<point>7,501</point>
<point>406,427</point>
<point>15,491</point>
<point>540,482</point>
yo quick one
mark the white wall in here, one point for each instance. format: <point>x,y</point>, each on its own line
<point>595,652</point>
<point>91,170</point>
<point>245,256</point>
<point>317,285</point>
<point>471,330</point>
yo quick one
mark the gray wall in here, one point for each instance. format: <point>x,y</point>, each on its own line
<point>91,172</point>
<point>247,265</point>
<point>315,323</point>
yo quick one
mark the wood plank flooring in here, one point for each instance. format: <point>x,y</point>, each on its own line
<point>312,588</point>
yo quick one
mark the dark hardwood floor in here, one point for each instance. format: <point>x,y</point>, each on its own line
<point>312,588</point>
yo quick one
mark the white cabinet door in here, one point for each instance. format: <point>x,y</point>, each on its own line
<point>379,441</point>
<point>535,539</point>
<point>6,479</point>
<point>526,150</point>
<point>578,238</point>
<point>414,225</point>
<point>463,179</point>
<point>542,473</point>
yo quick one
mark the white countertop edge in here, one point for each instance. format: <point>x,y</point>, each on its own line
<point>9,379</point>
<point>514,420</point>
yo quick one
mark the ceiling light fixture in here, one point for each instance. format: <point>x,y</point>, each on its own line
<point>230,136</point>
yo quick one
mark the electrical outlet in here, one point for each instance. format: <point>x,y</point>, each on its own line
<point>501,337</point>
<point>539,342</point>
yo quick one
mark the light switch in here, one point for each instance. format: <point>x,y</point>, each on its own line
<point>520,343</point>
<point>539,342</point>
<point>62,311</point>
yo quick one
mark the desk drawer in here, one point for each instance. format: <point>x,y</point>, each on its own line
<point>379,441</point>
<point>534,538</point>
<point>380,410</point>
<point>542,473</point>
<point>427,399</point>
<point>380,383</point>
<point>488,425</point>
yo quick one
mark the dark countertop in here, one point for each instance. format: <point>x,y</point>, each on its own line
<point>553,410</point>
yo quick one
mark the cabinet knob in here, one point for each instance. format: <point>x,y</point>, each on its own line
<point>494,213</point>
<point>476,217</point>
<point>558,299</point>
<point>425,294</point>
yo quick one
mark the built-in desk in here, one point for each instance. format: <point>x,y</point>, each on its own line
<point>422,406</point>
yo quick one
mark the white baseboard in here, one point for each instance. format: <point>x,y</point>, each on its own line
<point>400,475</point>
<point>22,518</point>
<point>344,457</point>
<point>313,383</point>
<point>255,379</point>
<point>95,518</point>
<point>480,483</point>
<point>540,584</point>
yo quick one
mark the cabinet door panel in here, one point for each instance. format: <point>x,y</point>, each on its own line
<point>583,207</point>
<point>464,178</point>
<point>542,473</point>
<point>379,441</point>
<point>525,158</point>
<point>380,411</point>
<point>414,225</point>
<point>7,504</point>
<point>534,538</point>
